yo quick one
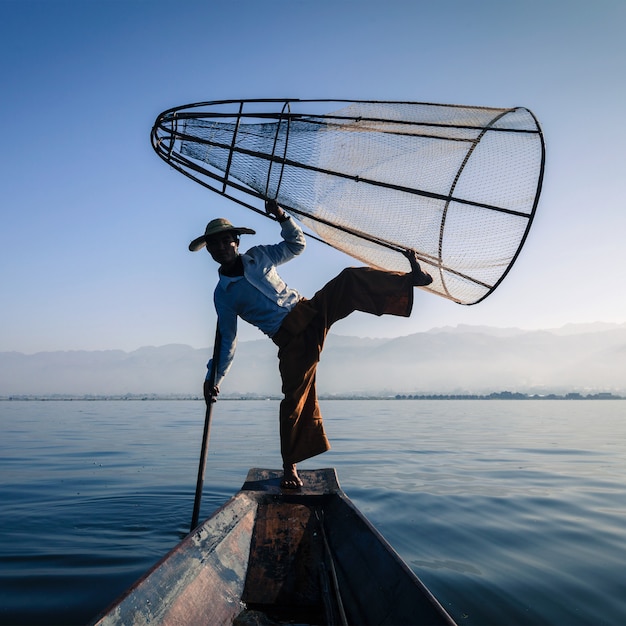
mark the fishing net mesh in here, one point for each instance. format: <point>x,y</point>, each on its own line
<point>457,184</point>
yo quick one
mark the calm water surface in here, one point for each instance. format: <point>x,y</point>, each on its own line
<point>512,512</point>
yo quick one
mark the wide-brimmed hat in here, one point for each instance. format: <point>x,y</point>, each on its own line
<point>215,227</point>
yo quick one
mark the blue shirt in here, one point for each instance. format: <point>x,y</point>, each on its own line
<point>260,296</point>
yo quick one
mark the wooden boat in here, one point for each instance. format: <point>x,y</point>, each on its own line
<point>269,556</point>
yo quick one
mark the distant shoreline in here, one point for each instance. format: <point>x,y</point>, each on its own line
<point>502,395</point>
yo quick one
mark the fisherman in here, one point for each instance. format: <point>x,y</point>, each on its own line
<point>250,287</point>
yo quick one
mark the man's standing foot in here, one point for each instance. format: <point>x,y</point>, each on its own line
<point>290,480</point>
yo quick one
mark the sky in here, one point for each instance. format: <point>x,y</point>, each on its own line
<point>95,227</point>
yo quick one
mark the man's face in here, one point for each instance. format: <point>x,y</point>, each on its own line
<point>223,248</point>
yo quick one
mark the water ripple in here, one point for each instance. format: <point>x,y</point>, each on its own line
<point>511,512</point>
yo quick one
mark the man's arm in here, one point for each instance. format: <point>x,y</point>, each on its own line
<point>227,323</point>
<point>293,242</point>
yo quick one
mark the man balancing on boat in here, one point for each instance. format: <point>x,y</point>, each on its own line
<point>250,287</point>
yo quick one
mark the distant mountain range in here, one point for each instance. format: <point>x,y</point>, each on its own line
<point>461,360</point>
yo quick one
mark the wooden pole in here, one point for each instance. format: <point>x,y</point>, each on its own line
<point>206,432</point>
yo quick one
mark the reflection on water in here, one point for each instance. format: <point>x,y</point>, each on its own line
<point>512,512</point>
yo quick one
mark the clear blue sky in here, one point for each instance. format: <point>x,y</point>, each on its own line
<point>95,227</point>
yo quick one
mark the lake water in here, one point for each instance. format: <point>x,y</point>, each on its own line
<point>511,512</point>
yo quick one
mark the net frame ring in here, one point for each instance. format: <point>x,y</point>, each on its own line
<point>273,157</point>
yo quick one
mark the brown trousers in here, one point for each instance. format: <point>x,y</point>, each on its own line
<point>301,338</point>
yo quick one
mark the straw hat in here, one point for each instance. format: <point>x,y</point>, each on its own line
<point>214,227</point>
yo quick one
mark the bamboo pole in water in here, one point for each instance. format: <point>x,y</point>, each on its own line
<point>206,433</point>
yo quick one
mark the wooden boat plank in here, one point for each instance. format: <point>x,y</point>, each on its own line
<point>283,557</point>
<point>365,570</point>
<point>321,482</point>
<point>201,580</point>
<point>307,557</point>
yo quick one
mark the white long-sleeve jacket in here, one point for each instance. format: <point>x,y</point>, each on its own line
<point>260,296</point>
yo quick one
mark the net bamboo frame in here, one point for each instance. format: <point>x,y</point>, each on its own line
<point>458,184</point>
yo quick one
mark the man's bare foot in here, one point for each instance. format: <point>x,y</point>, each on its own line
<point>420,277</point>
<point>290,480</point>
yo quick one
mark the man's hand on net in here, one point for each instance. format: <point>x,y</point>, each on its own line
<point>272,208</point>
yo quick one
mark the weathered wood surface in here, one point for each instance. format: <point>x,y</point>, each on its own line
<point>270,556</point>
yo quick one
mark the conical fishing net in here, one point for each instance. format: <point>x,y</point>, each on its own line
<point>458,184</point>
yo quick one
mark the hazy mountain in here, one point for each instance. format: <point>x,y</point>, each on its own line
<point>464,359</point>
